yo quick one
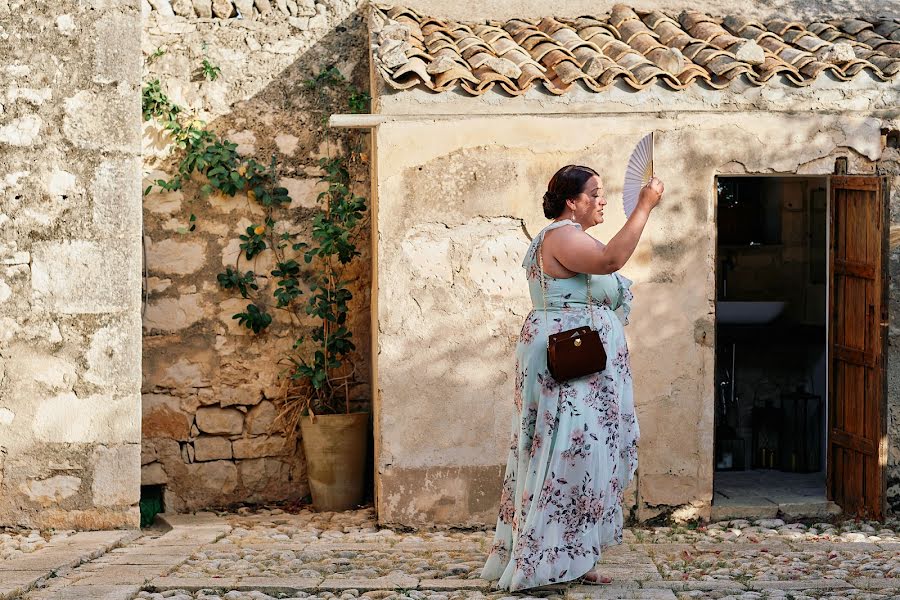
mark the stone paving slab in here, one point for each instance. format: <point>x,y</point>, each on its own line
<point>429,546</point>
<point>876,583</point>
<point>339,547</point>
<point>388,582</point>
<point>889,545</point>
<point>803,584</point>
<point>454,584</point>
<point>189,538</point>
<point>102,574</point>
<point>71,551</point>
<point>629,572</point>
<point>611,592</point>
<point>95,592</point>
<point>15,583</point>
<point>143,558</point>
<point>192,584</point>
<point>761,546</point>
<point>705,586</point>
<point>280,584</point>
<point>709,547</point>
<point>44,560</point>
<point>822,546</point>
<point>186,549</point>
<point>19,575</point>
<point>585,588</point>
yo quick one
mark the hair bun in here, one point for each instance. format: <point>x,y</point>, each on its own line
<point>553,204</point>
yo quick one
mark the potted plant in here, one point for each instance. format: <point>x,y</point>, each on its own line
<point>316,402</point>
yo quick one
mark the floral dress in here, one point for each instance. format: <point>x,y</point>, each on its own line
<point>574,444</point>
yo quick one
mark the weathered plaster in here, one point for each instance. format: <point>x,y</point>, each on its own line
<point>454,219</point>
<point>826,94</point>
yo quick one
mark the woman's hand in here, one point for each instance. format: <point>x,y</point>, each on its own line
<point>651,193</point>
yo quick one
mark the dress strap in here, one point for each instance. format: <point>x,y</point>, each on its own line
<point>531,254</point>
<point>587,277</point>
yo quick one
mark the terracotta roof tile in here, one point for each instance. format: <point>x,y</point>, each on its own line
<point>638,48</point>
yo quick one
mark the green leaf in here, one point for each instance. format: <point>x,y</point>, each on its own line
<point>254,318</point>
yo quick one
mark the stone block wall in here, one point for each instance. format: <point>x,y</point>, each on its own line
<point>70,263</point>
<point>210,386</point>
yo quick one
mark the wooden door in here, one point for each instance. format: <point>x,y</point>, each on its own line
<point>857,444</point>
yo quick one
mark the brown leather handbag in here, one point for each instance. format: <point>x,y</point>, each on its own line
<point>575,352</point>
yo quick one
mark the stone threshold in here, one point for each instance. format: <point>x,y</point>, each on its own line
<point>759,507</point>
<point>18,576</point>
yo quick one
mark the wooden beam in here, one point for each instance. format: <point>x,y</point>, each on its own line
<point>854,442</point>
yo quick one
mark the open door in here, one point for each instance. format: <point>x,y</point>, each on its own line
<point>857,444</point>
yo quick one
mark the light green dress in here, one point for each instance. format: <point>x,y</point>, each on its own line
<point>574,444</point>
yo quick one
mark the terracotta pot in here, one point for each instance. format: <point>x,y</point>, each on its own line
<point>335,448</point>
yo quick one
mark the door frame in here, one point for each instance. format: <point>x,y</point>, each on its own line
<point>826,178</point>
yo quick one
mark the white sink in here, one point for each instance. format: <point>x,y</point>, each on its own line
<point>747,312</point>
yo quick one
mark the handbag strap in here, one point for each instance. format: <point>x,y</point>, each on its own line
<point>540,260</point>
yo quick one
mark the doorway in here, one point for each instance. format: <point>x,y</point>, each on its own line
<point>770,441</point>
<point>800,337</point>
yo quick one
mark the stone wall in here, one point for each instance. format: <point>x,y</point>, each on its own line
<point>210,384</point>
<point>69,264</point>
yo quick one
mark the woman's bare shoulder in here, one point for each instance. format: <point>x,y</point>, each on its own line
<point>560,234</point>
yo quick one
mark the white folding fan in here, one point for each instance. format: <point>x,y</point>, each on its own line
<point>637,173</point>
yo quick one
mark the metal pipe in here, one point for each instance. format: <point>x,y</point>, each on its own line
<point>353,121</point>
<point>733,352</point>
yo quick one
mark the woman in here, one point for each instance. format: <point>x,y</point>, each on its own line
<point>574,444</point>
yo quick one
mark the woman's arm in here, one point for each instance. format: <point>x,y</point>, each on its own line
<point>581,253</point>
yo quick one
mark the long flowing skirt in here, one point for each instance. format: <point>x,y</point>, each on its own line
<point>572,453</point>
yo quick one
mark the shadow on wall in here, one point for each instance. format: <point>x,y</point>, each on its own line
<point>209,384</point>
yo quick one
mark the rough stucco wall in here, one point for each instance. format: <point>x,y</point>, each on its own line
<point>862,95</point>
<point>890,165</point>
<point>69,264</point>
<point>451,296</point>
<point>209,384</point>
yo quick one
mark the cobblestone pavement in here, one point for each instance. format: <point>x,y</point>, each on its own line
<point>258,555</point>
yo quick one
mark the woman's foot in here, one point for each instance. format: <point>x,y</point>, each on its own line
<point>593,577</point>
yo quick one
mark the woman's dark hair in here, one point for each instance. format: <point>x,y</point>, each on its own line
<point>567,183</point>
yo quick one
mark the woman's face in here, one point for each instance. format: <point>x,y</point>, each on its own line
<point>588,205</point>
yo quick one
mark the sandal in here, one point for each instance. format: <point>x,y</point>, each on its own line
<point>600,580</point>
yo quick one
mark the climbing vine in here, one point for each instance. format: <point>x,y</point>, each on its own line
<point>316,368</point>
